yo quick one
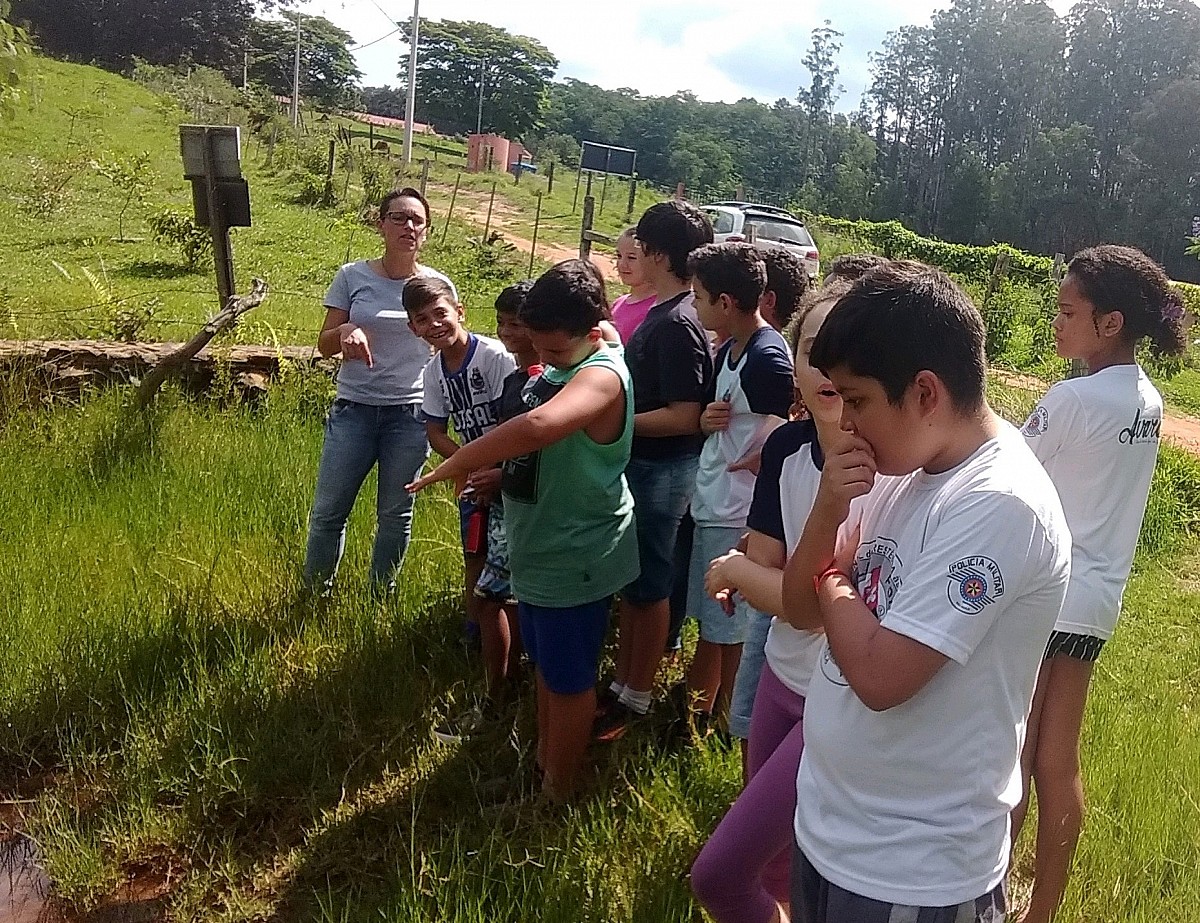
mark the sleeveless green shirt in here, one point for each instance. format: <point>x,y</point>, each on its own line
<point>567,509</point>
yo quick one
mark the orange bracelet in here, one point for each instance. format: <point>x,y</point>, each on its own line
<point>825,575</point>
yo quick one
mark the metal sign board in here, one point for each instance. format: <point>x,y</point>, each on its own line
<point>226,148</point>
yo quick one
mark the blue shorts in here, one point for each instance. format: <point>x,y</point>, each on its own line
<point>472,526</point>
<point>715,626</point>
<point>662,492</point>
<point>754,655</point>
<point>565,644</point>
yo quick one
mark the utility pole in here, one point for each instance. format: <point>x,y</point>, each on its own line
<point>479,116</point>
<point>410,105</point>
<point>296,79</point>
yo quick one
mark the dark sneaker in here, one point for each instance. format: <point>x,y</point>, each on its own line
<point>606,700</point>
<point>615,722</point>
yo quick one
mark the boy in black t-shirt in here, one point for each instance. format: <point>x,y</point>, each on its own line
<point>670,364</point>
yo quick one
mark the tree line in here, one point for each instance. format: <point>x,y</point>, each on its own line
<point>996,120</point>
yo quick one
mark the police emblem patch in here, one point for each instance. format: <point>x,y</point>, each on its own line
<point>1037,422</point>
<point>975,583</point>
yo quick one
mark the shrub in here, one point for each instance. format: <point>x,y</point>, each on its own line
<point>181,231</point>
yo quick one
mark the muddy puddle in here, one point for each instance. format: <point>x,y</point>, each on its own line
<point>24,887</point>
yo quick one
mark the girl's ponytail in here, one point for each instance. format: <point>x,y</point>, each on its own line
<point>1169,336</point>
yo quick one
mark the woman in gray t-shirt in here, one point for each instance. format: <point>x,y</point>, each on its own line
<point>376,416</point>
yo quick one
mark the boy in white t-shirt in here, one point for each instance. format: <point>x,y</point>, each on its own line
<point>464,382</point>
<point>937,603</point>
<point>749,396</point>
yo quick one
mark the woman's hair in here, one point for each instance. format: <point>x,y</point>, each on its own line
<point>832,290</point>
<point>422,291</point>
<point>567,297</point>
<point>1124,279</point>
<point>406,193</point>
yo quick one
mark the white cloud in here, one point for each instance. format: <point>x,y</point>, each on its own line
<point>718,49</point>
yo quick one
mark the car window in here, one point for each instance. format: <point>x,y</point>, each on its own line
<point>782,231</point>
<point>722,221</point>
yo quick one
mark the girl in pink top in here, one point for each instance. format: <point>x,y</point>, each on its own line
<point>629,311</point>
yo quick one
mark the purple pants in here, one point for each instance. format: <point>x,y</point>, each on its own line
<point>743,871</point>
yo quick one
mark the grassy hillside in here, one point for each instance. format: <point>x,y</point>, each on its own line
<point>67,275</point>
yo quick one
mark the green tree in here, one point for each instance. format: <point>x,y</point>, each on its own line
<point>14,61</point>
<point>460,62</point>
<point>114,32</point>
<point>328,75</point>
<point>703,163</point>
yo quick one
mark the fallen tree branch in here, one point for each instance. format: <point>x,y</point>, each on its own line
<point>235,307</point>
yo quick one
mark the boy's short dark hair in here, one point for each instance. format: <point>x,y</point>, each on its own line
<point>676,229</point>
<point>787,278</point>
<point>509,301</point>
<point>903,318</point>
<point>565,297</point>
<point>736,270</point>
<point>422,291</point>
<point>853,266</point>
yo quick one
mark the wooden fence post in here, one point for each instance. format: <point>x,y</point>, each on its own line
<point>487,227</point>
<point>424,174</point>
<point>537,221</point>
<point>575,203</point>
<point>603,193</point>
<point>585,240</point>
<point>999,273</point>
<point>550,178</point>
<point>329,172</point>
<point>453,196</point>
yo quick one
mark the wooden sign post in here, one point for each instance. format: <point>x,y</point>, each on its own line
<point>220,196</point>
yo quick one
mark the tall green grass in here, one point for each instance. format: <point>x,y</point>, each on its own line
<point>175,705</point>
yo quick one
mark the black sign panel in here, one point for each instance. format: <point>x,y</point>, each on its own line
<point>604,158</point>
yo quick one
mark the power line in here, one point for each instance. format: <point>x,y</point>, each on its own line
<point>376,41</point>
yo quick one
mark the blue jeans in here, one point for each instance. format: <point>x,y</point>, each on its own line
<point>356,437</point>
<point>662,492</point>
<point>754,655</point>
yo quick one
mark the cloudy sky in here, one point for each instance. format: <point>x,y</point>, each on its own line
<point>718,49</point>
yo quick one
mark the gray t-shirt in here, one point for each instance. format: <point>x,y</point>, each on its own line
<point>399,356</point>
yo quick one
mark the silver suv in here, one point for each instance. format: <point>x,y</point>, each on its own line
<point>765,225</point>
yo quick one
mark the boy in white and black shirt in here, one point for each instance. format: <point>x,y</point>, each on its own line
<point>936,604</point>
<point>463,383</point>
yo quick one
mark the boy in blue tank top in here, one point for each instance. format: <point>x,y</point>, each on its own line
<point>567,509</point>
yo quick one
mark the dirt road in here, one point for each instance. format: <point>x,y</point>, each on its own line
<point>473,206</point>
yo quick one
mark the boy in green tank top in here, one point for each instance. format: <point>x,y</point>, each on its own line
<point>567,509</point>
